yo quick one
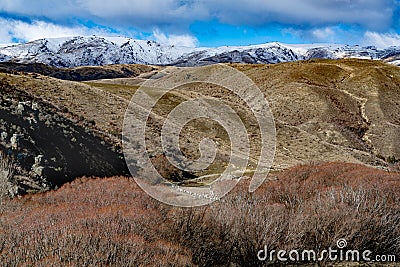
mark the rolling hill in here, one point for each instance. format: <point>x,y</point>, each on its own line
<point>324,110</point>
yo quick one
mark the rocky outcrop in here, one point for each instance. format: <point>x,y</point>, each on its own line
<point>47,148</point>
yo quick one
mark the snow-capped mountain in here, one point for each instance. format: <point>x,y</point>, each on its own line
<point>96,51</point>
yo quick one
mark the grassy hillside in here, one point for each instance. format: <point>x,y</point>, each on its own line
<point>343,110</point>
<point>337,126</point>
<point>350,104</point>
<point>324,110</point>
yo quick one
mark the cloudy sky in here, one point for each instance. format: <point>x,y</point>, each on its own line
<point>206,22</point>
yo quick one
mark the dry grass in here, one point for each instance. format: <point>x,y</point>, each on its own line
<point>125,91</point>
<point>350,106</point>
<point>325,110</point>
<point>309,207</point>
<point>91,222</point>
<point>111,222</point>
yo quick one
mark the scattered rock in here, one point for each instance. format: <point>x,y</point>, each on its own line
<point>14,141</point>
<point>3,136</point>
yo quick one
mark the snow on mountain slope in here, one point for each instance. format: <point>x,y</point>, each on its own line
<point>265,53</point>
<point>85,51</point>
<point>95,51</point>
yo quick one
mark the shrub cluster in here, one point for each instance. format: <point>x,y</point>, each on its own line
<point>111,222</point>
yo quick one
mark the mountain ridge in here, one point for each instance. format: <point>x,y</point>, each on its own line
<point>99,51</point>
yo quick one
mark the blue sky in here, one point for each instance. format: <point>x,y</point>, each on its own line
<point>206,22</point>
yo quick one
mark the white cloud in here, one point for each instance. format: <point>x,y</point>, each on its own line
<point>16,29</point>
<point>314,20</point>
<point>372,14</point>
<point>144,12</point>
<point>333,34</point>
<point>172,39</point>
<point>381,40</point>
<point>340,36</point>
<point>39,29</point>
<point>316,35</point>
<point>323,34</point>
<point>127,13</point>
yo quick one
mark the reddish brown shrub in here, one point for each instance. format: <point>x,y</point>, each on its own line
<point>102,222</point>
<point>96,222</point>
